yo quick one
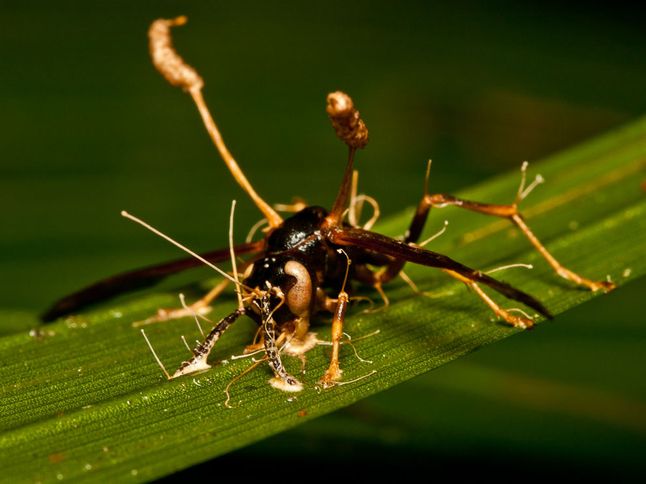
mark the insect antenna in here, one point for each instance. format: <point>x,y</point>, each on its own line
<point>177,244</point>
<point>180,74</point>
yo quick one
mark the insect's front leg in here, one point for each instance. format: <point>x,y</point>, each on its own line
<point>282,380</point>
<point>201,353</point>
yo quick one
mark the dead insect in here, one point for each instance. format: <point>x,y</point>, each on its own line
<point>304,263</point>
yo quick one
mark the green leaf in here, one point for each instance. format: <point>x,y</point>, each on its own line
<point>84,398</point>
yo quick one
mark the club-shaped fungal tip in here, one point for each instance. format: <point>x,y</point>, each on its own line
<point>346,120</point>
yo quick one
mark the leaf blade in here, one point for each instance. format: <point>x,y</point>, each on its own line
<point>91,385</point>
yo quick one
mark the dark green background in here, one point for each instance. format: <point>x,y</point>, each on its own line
<point>89,128</point>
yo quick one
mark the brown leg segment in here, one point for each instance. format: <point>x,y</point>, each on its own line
<point>516,321</point>
<point>398,250</point>
<point>504,211</point>
<point>413,233</point>
<point>511,212</point>
<point>564,272</point>
<point>333,373</point>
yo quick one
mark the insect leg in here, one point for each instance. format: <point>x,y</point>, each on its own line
<point>413,233</point>
<point>333,372</point>
<point>282,379</point>
<point>512,213</point>
<point>350,236</point>
<point>201,352</point>
<point>522,322</point>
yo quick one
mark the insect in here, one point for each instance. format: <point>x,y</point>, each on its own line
<point>307,263</point>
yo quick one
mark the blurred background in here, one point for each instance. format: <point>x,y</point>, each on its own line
<point>88,128</point>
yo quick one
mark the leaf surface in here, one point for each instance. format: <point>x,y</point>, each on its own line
<point>83,398</point>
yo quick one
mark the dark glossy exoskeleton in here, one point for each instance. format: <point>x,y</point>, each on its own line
<point>307,263</point>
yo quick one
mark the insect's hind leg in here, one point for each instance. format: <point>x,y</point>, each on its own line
<point>394,267</point>
<point>400,251</point>
<point>510,212</point>
<point>518,321</point>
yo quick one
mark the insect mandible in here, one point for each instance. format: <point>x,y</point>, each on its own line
<point>304,263</point>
